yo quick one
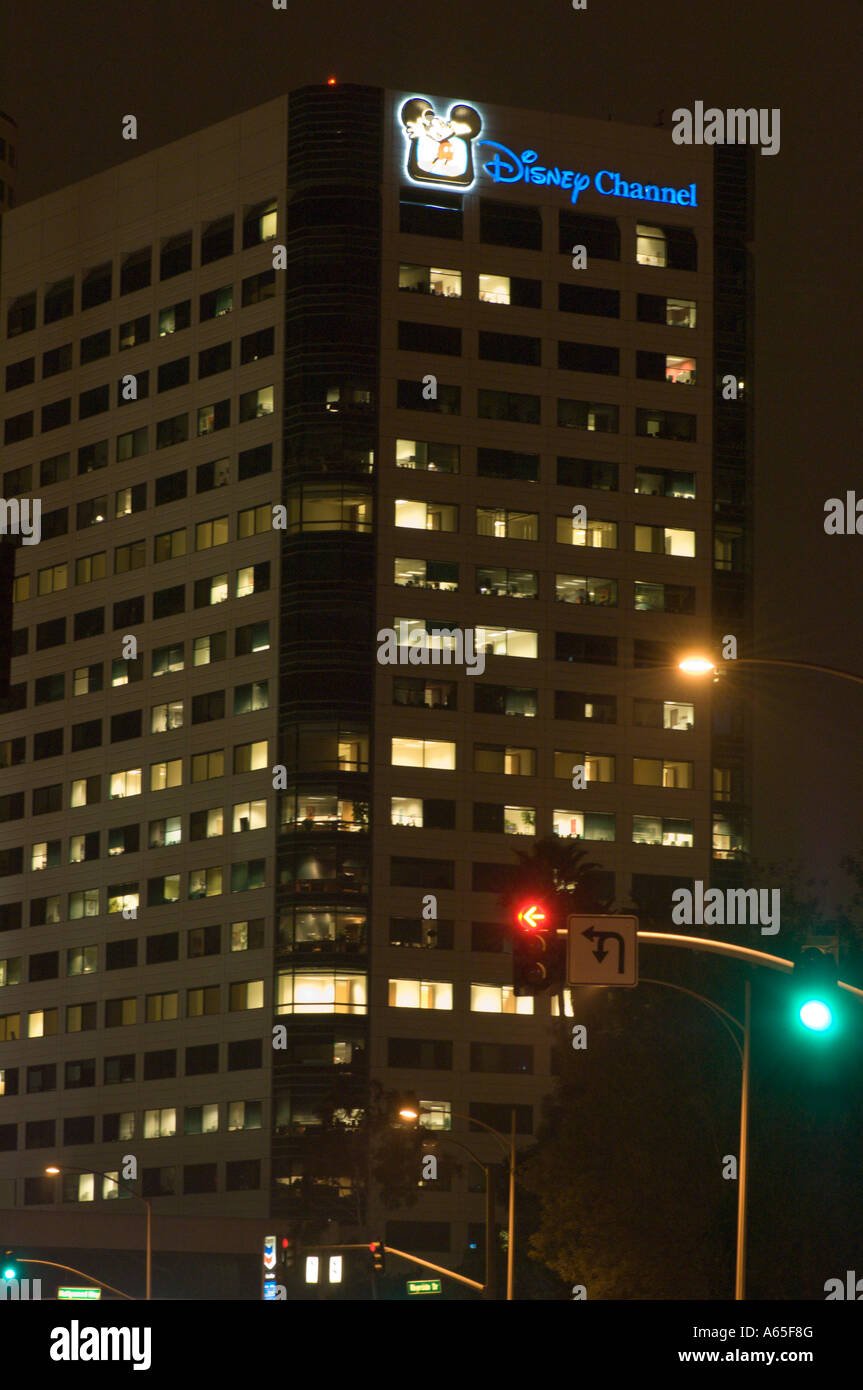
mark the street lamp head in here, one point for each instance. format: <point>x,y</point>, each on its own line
<point>409,1112</point>
<point>696,665</point>
<point>52,1172</point>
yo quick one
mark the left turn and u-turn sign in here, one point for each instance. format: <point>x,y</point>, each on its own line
<point>602,950</point>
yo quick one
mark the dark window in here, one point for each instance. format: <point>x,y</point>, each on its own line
<point>87,735</point>
<point>96,345</point>
<point>409,396</point>
<point>39,1134</point>
<point>21,317</point>
<point>162,948</point>
<point>50,634</point>
<point>171,487</point>
<point>245,1055</point>
<point>159,1182</point>
<point>19,643</point>
<point>18,427</point>
<point>647,653</point>
<point>59,300</point>
<point>53,470</point>
<point>55,523</point>
<point>422,1054</point>
<point>176,256</point>
<point>510,1058</point>
<point>586,299</point>
<point>121,1068</point>
<point>12,861</point>
<point>599,235</point>
<point>94,402</point>
<point>590,648</point>
<point>167,602</point>
<point>92,457</point>
<point>135,272</point>
<point>254,346</point>
<point>215,359</point>
<point>510,347</point>
<point>208,706</point>
<point>504,463</point>
<point>12,806</point>
<point>11,917</point>
<point>665,424</point>
<point>129,612</point>
<point>488,817</point>
<point>681,248</point>
<point>217,240</point>
<point>202,1060</point>
<point>96,286</point>
<point>48,688</point>
<point>421,873</point>
<point>48,744</point>
<point>508,405</point>
<point>592,473</point>
<point>134,332</point>
<point>44,966</point>
<point>504,699</point>
<point>173,374</point>
<point>20,373</point>
<point>79,1129</point>
<point>429,337</point>
<point>588,357</point>
<point>252,462</point>
<point>576,704</point>
<point>42,1078</point>
<point>258,287</point>
<point>241,1175</point>
<point>56,360</point>
<point>488,936</point>
<point>127,725</point>
<point>650,366</point>
<point>217,302</point>
<point>121,955</point>
<point>141,389</point>
<point>588,415</point>
<point>161,1064</point>
<point>510,224</point>
<point>80,1074</point>
<point>174,430</point>
<point>427,212</point>
<point>8,1133</point>
<point>200,1177</point>
<point>498,1115</point>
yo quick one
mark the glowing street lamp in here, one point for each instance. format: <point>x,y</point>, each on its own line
<point>697,665</point>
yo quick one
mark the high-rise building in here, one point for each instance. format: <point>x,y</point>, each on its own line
<point>353,361</point>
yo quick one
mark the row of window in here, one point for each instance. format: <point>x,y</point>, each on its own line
<point>499,582</point>
<point>587,649</point>
<point>519,292</point>
<point>153,1124</point>
<point>241,1175</point>
<point>90,622</point>
<point>126,898</point>
<point>160,949</point>
<point>497,819</point>
<point>419,692</point>
<point>432,457</point>
<point>163,1007</point>
<point>170,487</point>
<point>441,214</point>
<point>135,271</point>
<point>522,350</point>
<point>518,407</point>
<point>211,360</point>
<point>126,839</point>
<point>210,590</point>
<point>502,523</point>
<point>172,430</point>
<point>201,1059</point>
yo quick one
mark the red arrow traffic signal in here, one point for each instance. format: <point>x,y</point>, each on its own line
<point>533,917</point>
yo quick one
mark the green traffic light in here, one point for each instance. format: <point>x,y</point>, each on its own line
<point>815,1015</point>
<point>10,1272</point>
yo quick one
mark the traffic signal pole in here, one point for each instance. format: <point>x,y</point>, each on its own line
<point>744,953</point>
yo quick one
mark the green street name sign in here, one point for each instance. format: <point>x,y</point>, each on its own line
<point>424,1285</point>
<point>79,1293</point>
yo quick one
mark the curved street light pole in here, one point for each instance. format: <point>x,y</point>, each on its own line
<point>510,1149</point>
<point>490,1290</point>
<point>56,1169</point>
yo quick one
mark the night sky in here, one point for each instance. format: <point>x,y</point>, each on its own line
<point>69,72</point>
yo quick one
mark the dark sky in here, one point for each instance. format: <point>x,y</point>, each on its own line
<point>69,72</point>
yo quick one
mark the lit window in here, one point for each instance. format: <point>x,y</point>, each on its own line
<point>435,1114</point>
<point>126,783</point>
<point>249,815</point>
<point>498,999</point>
<point>420,994</point>
<point>494,289</point>
<point>418,752</point>
<point>210,533</point>
<point>325,992</point>
<point>650,246</point>
<point>167,774</point>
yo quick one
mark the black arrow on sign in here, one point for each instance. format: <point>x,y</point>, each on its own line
<point>600,936</point>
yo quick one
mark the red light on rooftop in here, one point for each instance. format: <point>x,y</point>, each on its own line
<point>331,82</point>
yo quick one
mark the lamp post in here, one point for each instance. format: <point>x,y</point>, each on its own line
<point>490,1290</point>
<point>55,1170</point>
<point>698,665</point>
<point>413,1112</point>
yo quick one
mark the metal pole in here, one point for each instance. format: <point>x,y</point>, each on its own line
<point>510,1243</point>
<point>743,1160</point>
<point>490,1263</point>
<point>149,1249</point>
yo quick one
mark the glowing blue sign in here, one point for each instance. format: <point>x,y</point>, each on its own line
<point>505,166</point>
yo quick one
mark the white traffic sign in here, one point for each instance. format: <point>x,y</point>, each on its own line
<point>602,951</point>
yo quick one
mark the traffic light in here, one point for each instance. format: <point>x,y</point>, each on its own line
<point>287,1252</point>
<point>538,953</point>
<point>815,988</point>
<point>10,1269</point>
<point>378,1256</point>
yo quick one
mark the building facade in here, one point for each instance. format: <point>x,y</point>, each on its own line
<point>356,362</point>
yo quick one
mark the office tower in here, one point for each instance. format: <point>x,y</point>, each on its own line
<point>343,364</point>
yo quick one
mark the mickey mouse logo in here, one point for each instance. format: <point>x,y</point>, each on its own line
<point>441,149</point>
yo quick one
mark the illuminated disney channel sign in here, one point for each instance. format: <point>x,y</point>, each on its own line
<point>444,150</point>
